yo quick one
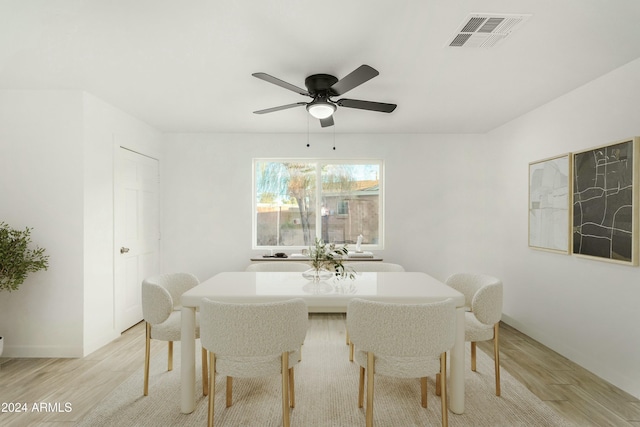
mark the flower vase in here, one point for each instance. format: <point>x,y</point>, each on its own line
<point>317,274</point>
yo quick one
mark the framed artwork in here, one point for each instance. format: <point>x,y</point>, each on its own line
<point>605,202</point>
<point>550,203</point>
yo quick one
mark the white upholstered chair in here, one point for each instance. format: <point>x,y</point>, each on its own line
<point>371,266</point>
<point>401,340</point>
<point>160,310</point>
<point>251,340</point>
<point>365,266</point>
<point>483,300</point>
<point>278,266</point>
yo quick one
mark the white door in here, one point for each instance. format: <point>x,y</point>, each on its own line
<point>137,232</point>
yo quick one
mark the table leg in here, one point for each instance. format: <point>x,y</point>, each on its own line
<point>188,360</point>
<point>456,379</point>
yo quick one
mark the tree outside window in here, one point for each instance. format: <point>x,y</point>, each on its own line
<point>296,201</point>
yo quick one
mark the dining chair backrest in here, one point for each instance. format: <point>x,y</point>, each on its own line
<point>175,283</point>
<point>253,329</point>
<point>483,295</point>
<point>401,340</point>
<point>157,303</point>
<point>375,266</point>
<point>278,266</point>
<point>402,330</point>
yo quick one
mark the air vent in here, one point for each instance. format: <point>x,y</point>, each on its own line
<point>486,29</point>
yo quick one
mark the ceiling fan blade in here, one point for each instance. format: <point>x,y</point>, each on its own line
<point>281,83</point>
<point>367,105</point>
<point>282,107</point>
<point>358,76</point>
<point>326,122</point>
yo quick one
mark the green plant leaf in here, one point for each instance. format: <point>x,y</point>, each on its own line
<point>17,260</point>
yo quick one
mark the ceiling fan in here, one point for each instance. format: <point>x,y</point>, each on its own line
<point>323,87</point>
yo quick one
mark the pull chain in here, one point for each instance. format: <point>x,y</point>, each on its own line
<point>334,136</point>
<point>308,133</point>
<point>308,145</point>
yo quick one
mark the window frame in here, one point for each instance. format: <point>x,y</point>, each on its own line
<point>318,219</point>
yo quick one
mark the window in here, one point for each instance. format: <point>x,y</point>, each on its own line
<point>343,207</point>
<point>297,200</point>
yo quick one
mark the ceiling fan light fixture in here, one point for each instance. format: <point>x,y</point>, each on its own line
<point>320,87</point>
<point>321,109</point>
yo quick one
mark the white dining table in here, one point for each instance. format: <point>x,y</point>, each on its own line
<point>331,296</point>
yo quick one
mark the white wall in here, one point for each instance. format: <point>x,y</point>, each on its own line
<point>586,310</point>
<point>56,149</point>
<point>41,186</point>
<point>430,226</point>
<point>106,128</point>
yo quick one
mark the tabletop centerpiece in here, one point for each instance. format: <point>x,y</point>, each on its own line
<point>327,261</point>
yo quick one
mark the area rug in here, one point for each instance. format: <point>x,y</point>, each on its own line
<point>326,395</point>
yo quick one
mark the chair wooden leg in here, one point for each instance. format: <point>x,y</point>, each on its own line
<point>496,356</point>
<point>147,354</point>
<point>370,373</point>
<point>423,390</point>
<point>205,374</point>
<point>350,352</point>
<point>229,391</point>
<point>438,386</point>
<point>292,389</point>
<point>212,387</point>
<point>473,356</point>
<point>285,389</point>
<point>361,388</point>
<point>170,356</point>
<point>443,396</point>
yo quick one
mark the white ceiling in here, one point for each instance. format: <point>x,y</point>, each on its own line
<point>185,66</point>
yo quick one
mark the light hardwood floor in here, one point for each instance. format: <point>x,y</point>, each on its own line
<point>569,389</point>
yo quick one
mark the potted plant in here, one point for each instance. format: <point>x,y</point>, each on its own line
<point>17,259</point>
<point>326,262</point>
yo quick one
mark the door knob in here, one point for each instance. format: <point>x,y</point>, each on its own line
<point>124,250</point>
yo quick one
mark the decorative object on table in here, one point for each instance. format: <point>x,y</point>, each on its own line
<point>359,244</point>
<point>549,204</point>
<point>326,262</point>
<point>605,202</point>
<point>17,260</point>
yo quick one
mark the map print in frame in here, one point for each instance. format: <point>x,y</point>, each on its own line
<point>549,204</point>
<point>605,202</point>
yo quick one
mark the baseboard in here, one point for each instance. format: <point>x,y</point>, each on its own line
<point>98,342</point>
<point>47,351</point>
<point>619,380</point>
